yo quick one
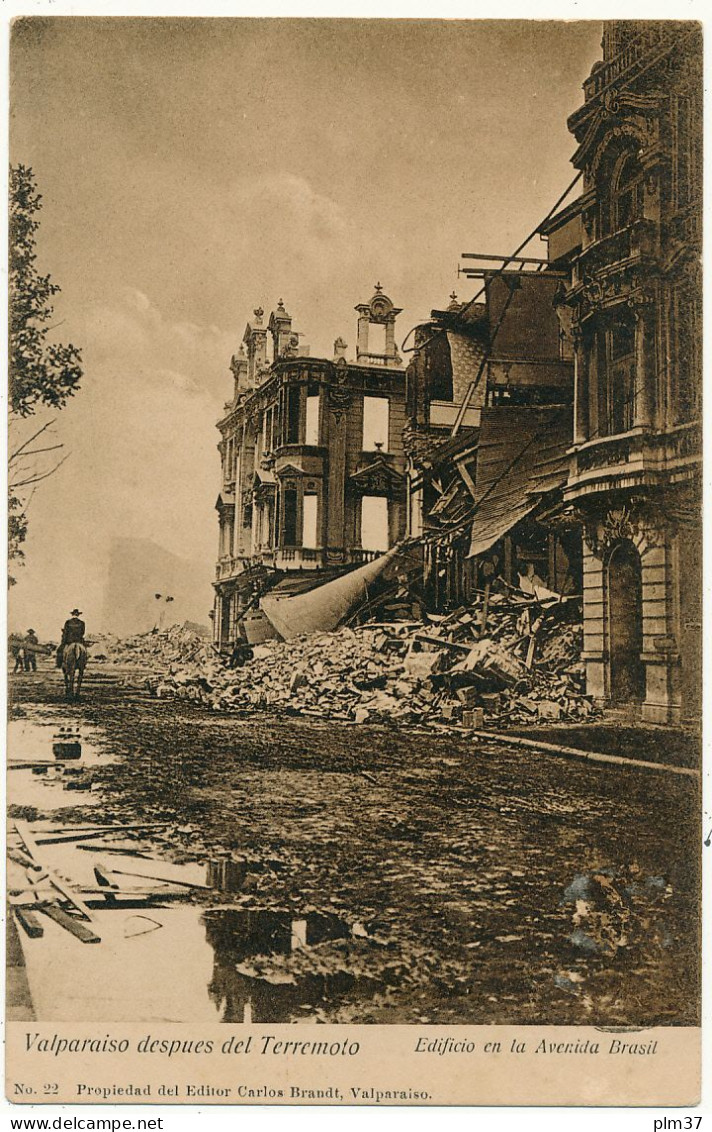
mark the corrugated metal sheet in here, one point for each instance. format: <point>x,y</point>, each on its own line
<point>324,608</point>
<point>521,457</point>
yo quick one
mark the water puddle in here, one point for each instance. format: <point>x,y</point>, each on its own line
<point>48,761</point>
<point>242,993</point>
<point>180,964</point>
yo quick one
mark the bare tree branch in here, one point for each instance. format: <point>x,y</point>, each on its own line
<point>30,439</point>
<point>44,476</point>
<point>36,452</point>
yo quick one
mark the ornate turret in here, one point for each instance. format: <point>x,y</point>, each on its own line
<point>280,327</point>
<point>340,348</point>
<point>380,311</point>
<point>238,365</point>
<point>255,338</point>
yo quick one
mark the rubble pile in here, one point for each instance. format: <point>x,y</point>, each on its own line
<point>158,648</point>
<point>520,667</point>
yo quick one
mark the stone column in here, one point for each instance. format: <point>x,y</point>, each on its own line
<point>644,314</point>
<point>337,477</point>
<point>660,648</point>
<point>580,388</point>
<point>362,340</point>
<point>594,655</point>
<point>391,337</point>
<point>593,374</point>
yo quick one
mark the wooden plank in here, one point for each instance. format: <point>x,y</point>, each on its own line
<point>102,878</point>
<point>443,643</point>
<point>28,764</point>
<point>505,258</point>
<point>34,881</point>
<point>163,880</point>
<point>485,609</point>
<point>56,827</point>
<point>65,838</point>
<point>70,924</point>
<point>33,849</point>
<point>29,899</point>
<point>85,833</point>
<point>29,923</point>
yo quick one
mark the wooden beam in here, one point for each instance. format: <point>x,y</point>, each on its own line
<point>484,272</point>
<point>29,923</point>
<point>33,849</point>
<point>53,827</point>
<point>76,927</point>
<point>163,880</point>
<point>503,258</point>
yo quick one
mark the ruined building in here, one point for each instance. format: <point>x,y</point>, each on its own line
<point>635,306</point>
<point>313,471</point>
<point>489,395</point>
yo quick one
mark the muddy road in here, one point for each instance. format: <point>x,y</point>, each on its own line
<point>476,883</point>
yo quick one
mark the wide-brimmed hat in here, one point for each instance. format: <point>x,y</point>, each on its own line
<point>76,612</point>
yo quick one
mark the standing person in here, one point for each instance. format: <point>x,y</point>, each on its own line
<point>18,652</point>
<point>31,644</point>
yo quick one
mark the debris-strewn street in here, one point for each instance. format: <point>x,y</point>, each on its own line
<point>472,882</point>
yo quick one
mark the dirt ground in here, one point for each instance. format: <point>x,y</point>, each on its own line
<point>483,884</point>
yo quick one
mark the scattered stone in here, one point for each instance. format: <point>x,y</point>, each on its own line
<point>434,673</point>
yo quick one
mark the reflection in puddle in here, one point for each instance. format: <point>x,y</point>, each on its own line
<point>52,761</point>
<point>178,964</point>
<point>237,935</point>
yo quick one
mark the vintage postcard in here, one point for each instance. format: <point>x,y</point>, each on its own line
<point>355,618</point>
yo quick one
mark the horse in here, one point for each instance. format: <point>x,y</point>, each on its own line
<point>74,660</point>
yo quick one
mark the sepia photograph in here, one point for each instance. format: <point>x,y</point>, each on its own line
<point>355,547</point>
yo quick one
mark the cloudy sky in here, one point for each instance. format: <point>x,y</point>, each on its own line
<point>193,169</point>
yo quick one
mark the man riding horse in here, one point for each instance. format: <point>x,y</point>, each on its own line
<point>72,654</point>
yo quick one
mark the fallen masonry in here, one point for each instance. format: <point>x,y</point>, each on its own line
<point>514,661</point>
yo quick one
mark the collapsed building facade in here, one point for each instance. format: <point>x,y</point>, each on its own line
<point>482,482</point>
<point>313,471</point>
<point>634,301</point>
<point>603,496</point>
<point>546,435</point>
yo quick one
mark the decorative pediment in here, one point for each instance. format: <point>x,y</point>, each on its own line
<point>263,484</point>
<point>608,123</point>
<point>225,502</point>
<point>380,308</point>
<point>289,471</point>
<point>378,478</point>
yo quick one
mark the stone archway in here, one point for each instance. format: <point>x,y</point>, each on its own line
<point>625,624</point>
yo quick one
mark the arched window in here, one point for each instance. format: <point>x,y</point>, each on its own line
<point>628,192</point>
<point>620,189</point>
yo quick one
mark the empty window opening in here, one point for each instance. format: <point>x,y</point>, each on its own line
<point>312,429</point>
<point>375,424</point>
<point>440,369</point>
<point>374,522</point>
<point>309,536</point>
<point>377,338</point>
<point>616,377</point>
<point>290,517</point>
<point>629,192</point>
<point>270,421</point>
<point>293,405</point>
